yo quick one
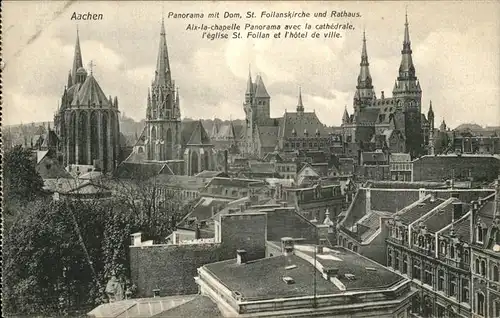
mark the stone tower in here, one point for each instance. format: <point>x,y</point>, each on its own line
<point>163,116</point>
<point>257,110</point>
<point>408,95</point>
<point>87,122</point>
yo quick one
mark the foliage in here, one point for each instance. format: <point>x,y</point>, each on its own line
<point>21,181</point>
<point>60,254</point>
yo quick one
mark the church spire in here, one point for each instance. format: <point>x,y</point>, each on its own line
<point>77,59</point>
<point>345,117</point>
<point>406,69</point>
<point>300,106</point>
<point>249,82</point>
<point>162,74</point>
<point>70,80</point>
<point>364,78</point>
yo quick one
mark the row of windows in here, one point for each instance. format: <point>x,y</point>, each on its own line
<point>349,245</point>
<point>295,145</point>
<point>425,274</point>
<point>402,166</point>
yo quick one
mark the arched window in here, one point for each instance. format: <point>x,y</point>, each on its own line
<point>477,266</point>
<point>495,273</point>
<point>480,304</point>
<point>355,248</point>
<point>452,251</point>
<point>483,268</point>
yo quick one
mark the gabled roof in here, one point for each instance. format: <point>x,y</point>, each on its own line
<point>301,123</point>
<point>268,135</point>
<point>193,133</point>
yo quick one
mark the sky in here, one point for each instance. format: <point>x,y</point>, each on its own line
<point>456,50</point>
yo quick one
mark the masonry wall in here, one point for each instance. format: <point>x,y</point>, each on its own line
<point>246,232</point>
<point>287,223</point>
<point>172,268</point>
<point>439,168</point>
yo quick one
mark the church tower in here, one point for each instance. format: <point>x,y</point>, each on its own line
<point>87,122</point>
<point>408,95</point>
<point>163,116</point>
<point>257,110</point>
<point>365,95</point>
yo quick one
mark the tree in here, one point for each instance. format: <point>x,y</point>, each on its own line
<point>21,181</point>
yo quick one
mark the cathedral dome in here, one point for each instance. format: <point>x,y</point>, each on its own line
<point>81,70</point>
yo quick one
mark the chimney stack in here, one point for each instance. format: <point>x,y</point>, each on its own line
<point>433,196</point>
<point>284,204</point>
<point>382,95</point>
<point>241,257</point>
<point>136,239</point>
<point>225,161</point>
<point>457,210</point>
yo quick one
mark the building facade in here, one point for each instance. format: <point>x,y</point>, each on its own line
<point>87,121</point>
<point>396,120</point>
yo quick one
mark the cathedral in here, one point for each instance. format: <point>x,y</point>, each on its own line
<point>394,124</point>
<point>86,122</point>
<point>180,147</point>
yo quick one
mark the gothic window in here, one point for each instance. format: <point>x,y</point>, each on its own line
<point>452,251</point>
<point>477,266</point>
<point>480,304</point>
<point>415,304</point>
<point>483,268</point>
<point>404,270</point>
<point>495,273</point>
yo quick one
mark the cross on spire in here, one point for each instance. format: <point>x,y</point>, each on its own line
<point>91,66</point>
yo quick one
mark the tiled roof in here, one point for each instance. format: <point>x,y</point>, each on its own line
<point>203,208</point>
<point>234,182</point>
<point>262,167</point>
<point>301,122</point>
<point>268,135</point>
<point>405,185</point>
<point>199,135</point>
<point>412,214</point>
<point>130,170</point>
<point>461,228</point>
<point>392,201</point>
<point>440,219</point>
<point>90,93</point>
<point>373,156</point>
<point>260,88</point>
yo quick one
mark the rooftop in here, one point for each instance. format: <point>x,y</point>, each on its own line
<point>263,279</point>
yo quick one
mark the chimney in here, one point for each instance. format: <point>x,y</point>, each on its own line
<point>382,95</point>
<point>330,272</point>
<point>433,196</point>
<point>287,246</point>
<point>241,257</point>
<point>225,161</point>
<point>284,204</point>
<point>319,249</point>
<point>242,208</point>
<point>457,210</point>
<point>213,210</point>
<point>197,232</point>
<point>136,239</point>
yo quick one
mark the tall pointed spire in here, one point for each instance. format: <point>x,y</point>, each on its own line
<point>345,117</point>
<point>406,69</point>
<point>77,59</point>
<point>300,106</point>
<point>162,74</point>
<point>249,82</point>
<point>70,80</point>
<point>364,78</point>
